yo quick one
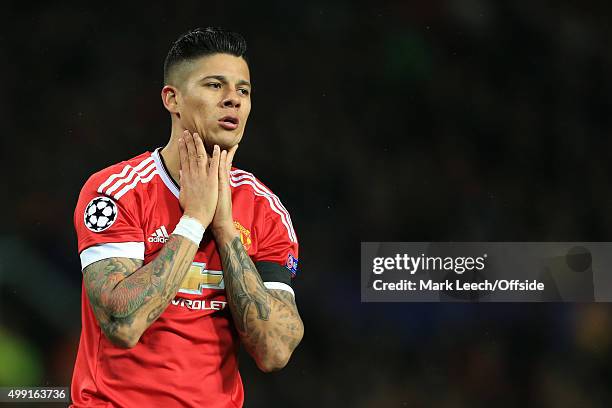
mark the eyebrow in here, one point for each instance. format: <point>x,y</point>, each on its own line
<point>222,78</point>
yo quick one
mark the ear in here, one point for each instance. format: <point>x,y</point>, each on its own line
<point>169,95</point>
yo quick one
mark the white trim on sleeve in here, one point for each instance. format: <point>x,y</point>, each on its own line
<point>280,286</point>
<point>96,253</point>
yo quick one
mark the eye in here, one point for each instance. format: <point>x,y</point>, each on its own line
<point>214,85</point>
<point>244,91</point>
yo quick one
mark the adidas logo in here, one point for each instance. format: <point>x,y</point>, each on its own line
<point>160,235</point>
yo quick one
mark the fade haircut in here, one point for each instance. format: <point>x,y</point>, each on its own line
<point>201,42</point>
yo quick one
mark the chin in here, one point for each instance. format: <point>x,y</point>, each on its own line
<point>226,141</point>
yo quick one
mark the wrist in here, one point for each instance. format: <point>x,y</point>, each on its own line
<point>224,233</point>
<point>190,228</point>
<point>205,221</point>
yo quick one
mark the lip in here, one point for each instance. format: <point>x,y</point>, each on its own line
<point>229,122</point>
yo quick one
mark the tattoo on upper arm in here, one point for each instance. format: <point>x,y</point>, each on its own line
<point>119,287</point>
<point>101,276</point>
<point>284,296</point>
<point>289,321</point>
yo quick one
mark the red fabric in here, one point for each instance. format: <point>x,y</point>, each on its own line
<point>188,357</point>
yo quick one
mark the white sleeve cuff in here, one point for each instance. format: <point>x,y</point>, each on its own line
<point>134,250</point>
<point>279,285</point>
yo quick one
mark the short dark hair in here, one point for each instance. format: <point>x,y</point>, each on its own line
<point>200,42</point>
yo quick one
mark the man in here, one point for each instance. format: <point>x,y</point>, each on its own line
<point>163,312</point>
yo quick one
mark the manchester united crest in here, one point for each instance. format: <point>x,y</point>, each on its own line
<point>245,235</point>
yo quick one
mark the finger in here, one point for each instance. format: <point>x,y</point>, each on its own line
<point>223,169</point>
<point>191,152</point>
<point>200,150</point>
<point>230,157</point>
<point>183,155</point>
<point>214,162</point>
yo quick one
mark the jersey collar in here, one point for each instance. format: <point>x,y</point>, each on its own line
<point>163,172</point>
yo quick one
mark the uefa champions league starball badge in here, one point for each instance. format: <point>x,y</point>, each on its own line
<point>100,214</point>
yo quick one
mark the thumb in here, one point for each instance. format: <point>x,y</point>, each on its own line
<point>223,173</point>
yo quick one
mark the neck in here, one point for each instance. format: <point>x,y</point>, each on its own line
<point>170,154</point>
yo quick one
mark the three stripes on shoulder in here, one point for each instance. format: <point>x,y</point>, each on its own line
<point>128,178</point>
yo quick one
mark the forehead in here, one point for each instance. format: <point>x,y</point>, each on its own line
<point>232,67</point>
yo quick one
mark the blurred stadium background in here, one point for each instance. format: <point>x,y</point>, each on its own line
<point>461,120</point>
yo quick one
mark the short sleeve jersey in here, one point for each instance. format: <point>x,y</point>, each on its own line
<point>188,356</point>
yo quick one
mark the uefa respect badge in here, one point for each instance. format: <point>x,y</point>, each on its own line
<point>292,264</point>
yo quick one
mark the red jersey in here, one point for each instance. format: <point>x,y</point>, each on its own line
<point>188,356</point>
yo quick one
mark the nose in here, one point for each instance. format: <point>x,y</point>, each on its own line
<point>231,100</point>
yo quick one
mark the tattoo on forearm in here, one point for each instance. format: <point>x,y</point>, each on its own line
<point>119,288</point>
<point>252,304</point>
<point>244,286</point>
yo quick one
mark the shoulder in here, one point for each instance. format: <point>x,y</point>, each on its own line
<point>116,180</point>
<point>244,181</point>
<point>266,203</point>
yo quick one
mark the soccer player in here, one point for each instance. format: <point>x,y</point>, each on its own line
<point>185,257</point>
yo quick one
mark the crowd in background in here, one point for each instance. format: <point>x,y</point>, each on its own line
<point>400,121</point>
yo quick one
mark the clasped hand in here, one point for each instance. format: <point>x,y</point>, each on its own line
<point>205,192</point>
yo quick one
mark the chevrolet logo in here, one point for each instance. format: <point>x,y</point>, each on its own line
<point>198,278</point>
